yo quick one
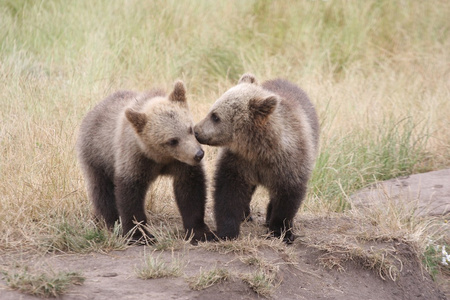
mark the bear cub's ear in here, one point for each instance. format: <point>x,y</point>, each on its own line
<point>137,119</point>
<point>179,92</point>
<point>248,78</point>
<point>262,108</point>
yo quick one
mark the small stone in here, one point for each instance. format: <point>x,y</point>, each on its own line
<point>108,275</point>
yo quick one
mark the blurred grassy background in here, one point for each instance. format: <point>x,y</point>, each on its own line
<point>378,72</point>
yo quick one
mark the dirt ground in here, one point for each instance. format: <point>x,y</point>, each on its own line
<point>314,267</point>
<point>112,276</point>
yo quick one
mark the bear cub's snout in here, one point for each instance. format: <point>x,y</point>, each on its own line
<point>199,155</point>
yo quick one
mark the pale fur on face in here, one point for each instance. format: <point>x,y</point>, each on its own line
<point>242,105</point>
<point>164,129</point>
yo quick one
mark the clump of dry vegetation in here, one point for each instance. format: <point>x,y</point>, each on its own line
<point>261,282</point>
<point>155,267</point>
<point>42,284</point>
<point>206,279</point>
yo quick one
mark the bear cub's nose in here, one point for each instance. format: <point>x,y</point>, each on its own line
<point>199,155</point>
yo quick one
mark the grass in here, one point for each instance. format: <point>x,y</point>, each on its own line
<point>436,259</point>
<point>205,279</point>
<point>154,267</point>
<point>394,148</point>
<point>383,261</point>
<point>377,72</point>
<point>82,237</point>
<point>45,285</point>
<point>243,245</point>
<point>167,238</point>
<point>261,282</point>
<point>261,263</point>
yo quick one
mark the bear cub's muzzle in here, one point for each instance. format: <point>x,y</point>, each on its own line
<point>199,155</point>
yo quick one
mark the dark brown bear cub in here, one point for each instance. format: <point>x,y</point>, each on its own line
<point>269,136</point>
<point>126,142</point>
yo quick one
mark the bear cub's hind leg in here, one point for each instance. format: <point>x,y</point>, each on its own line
<point>283,206</point>
<point>130,197</point>
<point>101,190</point>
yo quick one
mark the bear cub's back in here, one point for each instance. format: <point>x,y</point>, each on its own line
<point>293,95</point>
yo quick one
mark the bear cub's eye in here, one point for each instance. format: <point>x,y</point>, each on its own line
<point>215,118</point>
<point>173,142</point>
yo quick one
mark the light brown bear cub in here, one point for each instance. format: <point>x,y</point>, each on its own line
<point>269,136</point>
<point>126,142</point>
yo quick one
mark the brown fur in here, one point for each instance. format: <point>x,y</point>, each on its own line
<point>126,142</point>
<point>269,136</point>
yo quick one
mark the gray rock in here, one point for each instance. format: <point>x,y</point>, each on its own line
<point>425,194</point>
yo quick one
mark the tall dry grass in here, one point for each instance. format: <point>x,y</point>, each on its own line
<point>378,72</point>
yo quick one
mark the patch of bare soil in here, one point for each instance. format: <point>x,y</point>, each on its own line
<point>314,267</point>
